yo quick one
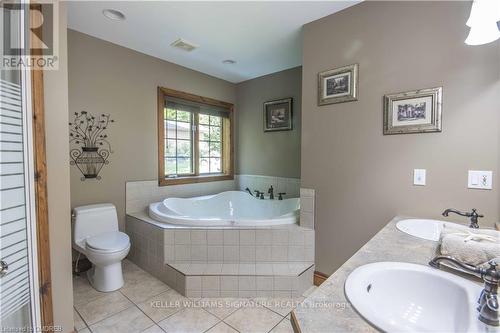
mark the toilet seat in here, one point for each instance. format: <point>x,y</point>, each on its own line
<point>108,242</point>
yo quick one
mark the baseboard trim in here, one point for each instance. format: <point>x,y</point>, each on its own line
<point>319,278</point>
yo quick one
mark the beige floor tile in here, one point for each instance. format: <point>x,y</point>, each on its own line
<point>140,286</point>
<point>128,266</point>
<point>222,328</point>
<point>103,307</point>
<point>164,305</point>
<point>255,319</point>
<point>131,320</point>
<point>83,292</point>
<point>222,307</point>
<point>190,320</point>
<point>79,323</point>
<point>283,306</point>
<point>285,326</point>
<point>153,329</point>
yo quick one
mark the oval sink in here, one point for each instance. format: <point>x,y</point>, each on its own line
<point>421,228</point>
<point>403,297</point>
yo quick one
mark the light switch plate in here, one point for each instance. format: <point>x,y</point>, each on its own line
<point>419,177</point>
<point>482,180</point>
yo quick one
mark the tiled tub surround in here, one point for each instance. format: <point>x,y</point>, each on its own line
<point>307,204</point>
<point>224,262</point>
<point>328,310</point>
<point>290,186</point>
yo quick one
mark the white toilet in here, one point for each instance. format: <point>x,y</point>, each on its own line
<point>96,235</point>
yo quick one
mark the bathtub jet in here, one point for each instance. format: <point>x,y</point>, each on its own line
<point>231,208</point>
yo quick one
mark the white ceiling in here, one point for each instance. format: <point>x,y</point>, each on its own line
<point>263,37</point>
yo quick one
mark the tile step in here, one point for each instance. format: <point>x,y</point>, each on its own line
<point>241,269</point>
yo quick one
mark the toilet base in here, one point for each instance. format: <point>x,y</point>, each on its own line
<point>106,278</point>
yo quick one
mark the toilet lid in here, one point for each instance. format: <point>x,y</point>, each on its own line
<point>109,241</point>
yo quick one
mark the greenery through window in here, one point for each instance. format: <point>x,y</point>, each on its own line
<point>178,142</point>
<point>210,137</point>
<point>195,140</point>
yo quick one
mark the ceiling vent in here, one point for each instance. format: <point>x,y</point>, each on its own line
<point>184,45</point>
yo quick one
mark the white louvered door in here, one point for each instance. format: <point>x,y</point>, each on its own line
<point>19,304</point>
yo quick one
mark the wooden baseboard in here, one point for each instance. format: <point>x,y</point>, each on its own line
<point>319,278</point>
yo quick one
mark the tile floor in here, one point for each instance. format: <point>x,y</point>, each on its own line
<point>145,304</point>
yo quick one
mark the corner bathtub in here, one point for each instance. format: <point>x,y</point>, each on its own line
<point>231,208</point>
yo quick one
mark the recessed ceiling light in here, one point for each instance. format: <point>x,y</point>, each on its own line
<point>229,62</point>
<point>113,14</point>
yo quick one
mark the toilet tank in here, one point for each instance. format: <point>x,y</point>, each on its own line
<point>92,220</point>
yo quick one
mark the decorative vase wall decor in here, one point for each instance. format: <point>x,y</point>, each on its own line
<point>88,133</point>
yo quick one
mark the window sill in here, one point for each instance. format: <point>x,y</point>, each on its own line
<point>194,179</point>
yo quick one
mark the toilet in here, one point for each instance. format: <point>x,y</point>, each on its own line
<point>96,235</point>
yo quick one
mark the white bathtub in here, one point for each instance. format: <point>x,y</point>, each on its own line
<point>231,208</point>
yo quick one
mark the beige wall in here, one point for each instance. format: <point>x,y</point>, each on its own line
<point>268,153</point>
<point>107,78</point>
<point>58,182</point>
<point>363,178</point>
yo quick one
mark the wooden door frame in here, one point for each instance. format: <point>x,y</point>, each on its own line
<point>41,198</point>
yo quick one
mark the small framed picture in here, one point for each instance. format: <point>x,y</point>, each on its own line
<point>416,111</point>
<point>338,85</point>
<point>278,115</point>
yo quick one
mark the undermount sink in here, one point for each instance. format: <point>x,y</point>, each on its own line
<point>403,297</point>
<point>421,228</point>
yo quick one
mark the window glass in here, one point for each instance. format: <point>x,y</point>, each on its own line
<point>179,142</point>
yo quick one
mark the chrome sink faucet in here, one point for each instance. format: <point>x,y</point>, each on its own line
<point>474,216</point>
<point>488,308</point>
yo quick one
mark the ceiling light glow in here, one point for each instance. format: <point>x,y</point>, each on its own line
<point>483,19</point>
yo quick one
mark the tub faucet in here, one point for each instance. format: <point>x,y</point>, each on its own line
<point>488,308</point>
<point>248,190</point>
<point>259,194</point>
<point>473,216</point>
<point>280,195</point>
<point>271,192</point>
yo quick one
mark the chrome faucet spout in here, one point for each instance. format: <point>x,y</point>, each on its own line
<point>488,308</point>
<point>248,190</point>
<point>473,215</point>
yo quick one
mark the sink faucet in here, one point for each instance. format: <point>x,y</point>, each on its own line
<point>473,216</point>
<point>271,192</point>
<point>488,308</point>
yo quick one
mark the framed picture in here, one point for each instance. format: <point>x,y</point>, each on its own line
<point>413,111</point>
<point>278,115</point>
<point>338,85</point>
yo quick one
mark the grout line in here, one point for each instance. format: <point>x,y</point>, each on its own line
<point>137,306</point>
<point>277,324</point>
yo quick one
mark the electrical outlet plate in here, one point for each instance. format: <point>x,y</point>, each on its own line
<point>419,177</point>
<point>482,180</point>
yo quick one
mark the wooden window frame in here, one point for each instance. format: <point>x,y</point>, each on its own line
<point>227,140</point>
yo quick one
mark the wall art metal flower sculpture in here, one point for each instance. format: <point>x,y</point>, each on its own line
<point>88,133</point>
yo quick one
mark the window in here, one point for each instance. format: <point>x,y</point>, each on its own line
<point>195,138</point>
